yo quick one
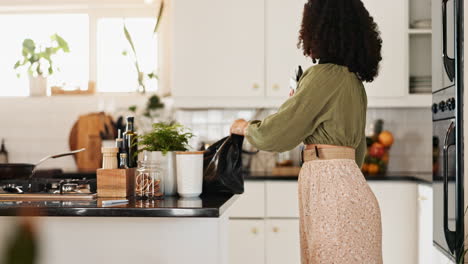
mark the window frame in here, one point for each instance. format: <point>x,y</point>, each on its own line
<point>95,12</point>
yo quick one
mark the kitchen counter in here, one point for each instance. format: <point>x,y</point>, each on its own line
<point>172,230</point>
<point>205,206</point>
<point>392,176</point>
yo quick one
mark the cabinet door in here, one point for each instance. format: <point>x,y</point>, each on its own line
<point>392,19</point>
<point>251,204</point>
<point>282,241</point>
<point>398,206</point>
<point>425,223</point>
<point>282,199</point>
<point>283,20</point>
<point>218,48</point>
<point>246,241</point>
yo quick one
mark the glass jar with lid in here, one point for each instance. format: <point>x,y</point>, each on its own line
<point>149,183</point>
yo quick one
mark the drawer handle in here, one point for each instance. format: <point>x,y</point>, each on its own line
<point>276,87</point>
<point>256,86</point>
<point>275,229</point>
<point>254,230</point>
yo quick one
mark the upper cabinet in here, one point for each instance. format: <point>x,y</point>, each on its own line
<point>392,19</point>
<point>242,53</point>
<point>218,48</point>
<point>283,21</point>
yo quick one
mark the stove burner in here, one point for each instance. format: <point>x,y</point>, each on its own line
<point>53,186</point>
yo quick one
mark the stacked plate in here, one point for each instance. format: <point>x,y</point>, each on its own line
<point>420,84</point>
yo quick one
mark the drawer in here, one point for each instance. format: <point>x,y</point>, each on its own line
<point>282,199</point>
<point>250,204</point>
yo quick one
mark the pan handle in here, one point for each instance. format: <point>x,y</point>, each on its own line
<point>59,155</point>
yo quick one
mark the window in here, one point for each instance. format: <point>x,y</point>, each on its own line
<point>96,39</point>
<point>39,27</point>
<point>116,72</point>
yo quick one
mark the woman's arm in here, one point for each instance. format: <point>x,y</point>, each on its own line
<point>296,119</point>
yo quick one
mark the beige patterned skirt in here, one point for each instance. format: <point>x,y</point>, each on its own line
<point>339,214</point>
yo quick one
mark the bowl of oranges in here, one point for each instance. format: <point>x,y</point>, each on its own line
<point>378,147</point>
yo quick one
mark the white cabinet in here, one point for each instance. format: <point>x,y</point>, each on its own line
<point>392,19</point>
<point>425,224</point>
<point>218,49</point>
<point>399,209</point>
<point>283,21</point>
<point>282,241</point>
<point>246,241</point>
<point>251,204</point>
<point>282,199</point>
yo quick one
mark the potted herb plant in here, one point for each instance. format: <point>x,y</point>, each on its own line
<point>38,60</point>
<point>160,145</point>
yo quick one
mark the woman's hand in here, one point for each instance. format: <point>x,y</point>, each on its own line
<point>239,127</point>
<point>291,92</point>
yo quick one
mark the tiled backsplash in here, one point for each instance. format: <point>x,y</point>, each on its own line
<point>412,129</point>
<point>36,127</point>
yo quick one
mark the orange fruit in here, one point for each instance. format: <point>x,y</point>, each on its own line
<point>386,138</point>
<point>373,168</point>
<point>365,167</point>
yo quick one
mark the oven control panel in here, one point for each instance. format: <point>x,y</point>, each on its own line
<point>444,105</point>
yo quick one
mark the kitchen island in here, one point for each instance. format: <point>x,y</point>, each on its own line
<point>173,230</point>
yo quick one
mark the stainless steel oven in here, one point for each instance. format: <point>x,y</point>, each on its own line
<point>447,116</point>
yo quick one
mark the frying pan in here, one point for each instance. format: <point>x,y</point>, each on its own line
<point>26,170</point>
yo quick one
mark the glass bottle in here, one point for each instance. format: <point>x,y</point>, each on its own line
<point>130,142</point>
<point>123,161</point>
<point>149,183</point>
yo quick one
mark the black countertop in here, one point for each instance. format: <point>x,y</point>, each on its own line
<point>393,176</point>
<point>205,206</point>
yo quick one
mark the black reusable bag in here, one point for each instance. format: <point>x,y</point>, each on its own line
<point>222,166</point>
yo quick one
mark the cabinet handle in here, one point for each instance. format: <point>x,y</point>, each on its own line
<point>254,230</point>
<point>276,87</point>
<point>275,229</point>
<point>256,86</point>
<point>422,198</point>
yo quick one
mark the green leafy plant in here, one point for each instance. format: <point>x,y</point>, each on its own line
<point>38,58</point>
<point>140,74</point>
<point>154,103</point>
<point>165,137</point>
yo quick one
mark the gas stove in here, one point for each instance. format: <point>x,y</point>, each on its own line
<point>47,188</point>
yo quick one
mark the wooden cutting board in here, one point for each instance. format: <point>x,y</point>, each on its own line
<point>85,133</point>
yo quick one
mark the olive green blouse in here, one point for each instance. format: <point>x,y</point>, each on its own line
<point>329,107</point>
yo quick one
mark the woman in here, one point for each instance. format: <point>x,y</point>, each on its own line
<point>339,214</point>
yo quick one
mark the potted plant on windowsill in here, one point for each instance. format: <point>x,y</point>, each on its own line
<point>38,60</point>
<point>160,146</point>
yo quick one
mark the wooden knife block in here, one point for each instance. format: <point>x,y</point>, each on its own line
<point>115,183</point>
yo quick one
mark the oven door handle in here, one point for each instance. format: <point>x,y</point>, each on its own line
<point>449,63</point>
<point>450,236</point>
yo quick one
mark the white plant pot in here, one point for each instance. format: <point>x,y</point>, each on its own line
<point>37,86</point>
<point>167,164</point>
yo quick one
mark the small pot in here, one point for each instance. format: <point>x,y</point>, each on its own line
<point>167,164</point>
<point>37,85</point>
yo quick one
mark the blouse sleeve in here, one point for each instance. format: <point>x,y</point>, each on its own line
<point>361,152</point>
<point>296,118</point>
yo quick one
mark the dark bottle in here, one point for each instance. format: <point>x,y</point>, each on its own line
<point>3,153</point>
<point>130,143</point>
<point>123,161</point>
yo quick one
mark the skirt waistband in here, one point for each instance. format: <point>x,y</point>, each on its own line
<point>328,154</point>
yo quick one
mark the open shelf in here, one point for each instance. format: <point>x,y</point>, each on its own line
<point>420,31</point>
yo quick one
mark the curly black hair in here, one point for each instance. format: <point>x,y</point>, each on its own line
<point>341,32</point>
